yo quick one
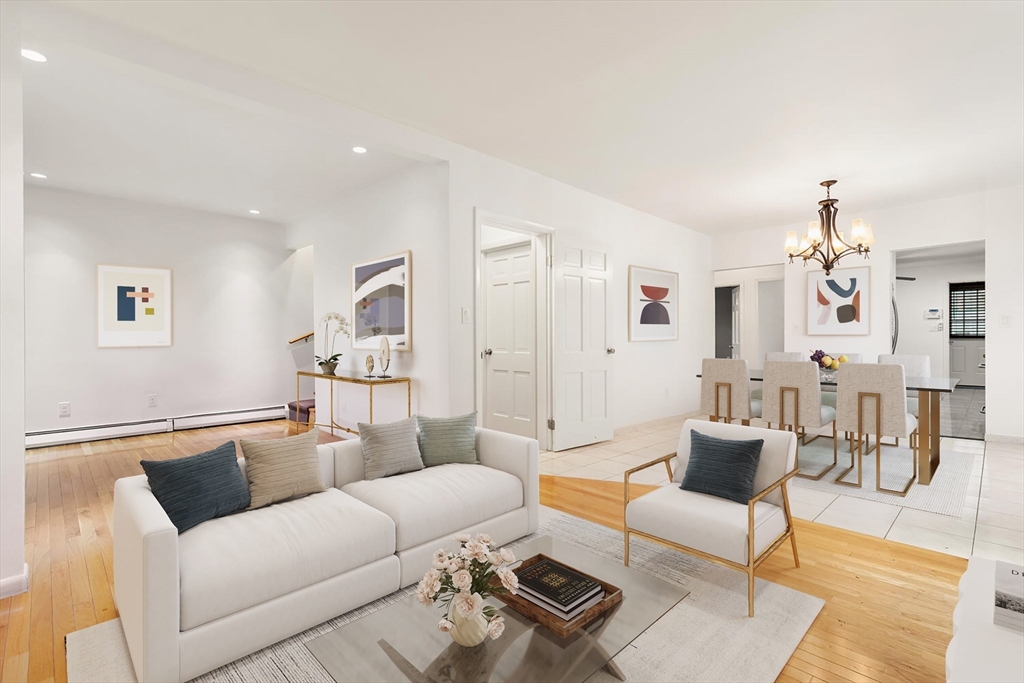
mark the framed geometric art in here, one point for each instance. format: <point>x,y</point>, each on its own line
<point>653,304</point>
<point>839,303</point>
<point>134,306</point>
<point>382,302</point>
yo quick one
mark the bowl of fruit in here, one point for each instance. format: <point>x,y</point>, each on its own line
<point>828,363</point>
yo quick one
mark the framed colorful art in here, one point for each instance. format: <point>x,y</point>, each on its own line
<point>133,306</point>
<point>382,302</point>
<point>653,304</point>
<point>840,303</point>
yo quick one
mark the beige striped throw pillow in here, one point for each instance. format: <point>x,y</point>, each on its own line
<point>280,469</point>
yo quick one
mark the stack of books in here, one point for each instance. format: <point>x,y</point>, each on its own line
<point>558,589</point>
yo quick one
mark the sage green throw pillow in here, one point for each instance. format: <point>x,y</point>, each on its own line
<point>448,440</point>
<point>389,448</point>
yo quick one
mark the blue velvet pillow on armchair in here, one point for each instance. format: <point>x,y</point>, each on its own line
<point>722,467</point>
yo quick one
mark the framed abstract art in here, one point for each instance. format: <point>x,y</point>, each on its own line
<point>382,302</point>
<point>134,306</point>
<point>653,304</point>
<point>839,303</point>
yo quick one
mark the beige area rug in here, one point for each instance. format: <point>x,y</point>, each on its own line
<point>945,495</point>
<point>706,637</point>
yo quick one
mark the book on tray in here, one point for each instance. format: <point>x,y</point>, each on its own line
<point>1009,596</point>
<point>558,589</point>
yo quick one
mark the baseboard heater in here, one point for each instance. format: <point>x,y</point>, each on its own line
<point>57,437</point>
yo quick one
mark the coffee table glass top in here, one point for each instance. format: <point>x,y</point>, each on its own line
<point>401,642</point>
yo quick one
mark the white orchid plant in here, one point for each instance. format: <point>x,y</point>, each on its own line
<point>341,327</point>
<point>461,580</point>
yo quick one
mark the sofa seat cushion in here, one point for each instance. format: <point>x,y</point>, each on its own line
<point>439,501</point>
<point>706,523</point>
<point>231,563</point>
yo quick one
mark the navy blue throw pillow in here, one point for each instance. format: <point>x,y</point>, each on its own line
<point>722,467</point>
<point>199,487</point>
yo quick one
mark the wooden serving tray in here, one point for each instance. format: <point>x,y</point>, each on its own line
<point>554,623</point>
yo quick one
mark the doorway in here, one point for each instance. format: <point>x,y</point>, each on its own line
<point>727,322</point>
<point>512,312</point>
<point>939,301</point>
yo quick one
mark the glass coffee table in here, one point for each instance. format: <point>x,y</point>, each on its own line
<point>400,643</point>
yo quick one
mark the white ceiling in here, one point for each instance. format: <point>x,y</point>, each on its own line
<point>95,124</point>
<point>716,115</point>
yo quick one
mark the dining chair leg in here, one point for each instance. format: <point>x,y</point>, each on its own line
<point>745,423</point>
<point>835,458</point>
<point>626,559</point>
<point>856,462</point>
<point>878,474</point>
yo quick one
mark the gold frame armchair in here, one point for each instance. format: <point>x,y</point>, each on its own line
<point>716,529</point>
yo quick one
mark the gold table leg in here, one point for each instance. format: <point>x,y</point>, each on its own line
<point>928,435</point>
<point>297,378</point>
<point>371,404</point>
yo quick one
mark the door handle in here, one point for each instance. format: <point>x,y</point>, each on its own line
<point>610,351</point>
<point>488,352</point>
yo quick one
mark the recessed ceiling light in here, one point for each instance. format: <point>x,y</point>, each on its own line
<point>254,211</point>
<point>38,175</point>
<point>359,150</point>
<point>33,55</point>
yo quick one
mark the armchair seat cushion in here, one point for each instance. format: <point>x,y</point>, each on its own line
<point>709,524</point>
<point>913,405</point>
<point>440,500</point>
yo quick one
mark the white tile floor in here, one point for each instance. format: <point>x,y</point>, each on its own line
<point>991,525</point>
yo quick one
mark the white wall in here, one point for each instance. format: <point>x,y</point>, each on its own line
<point>231,280</point>
<point>652,379</point>
<point>408,211</point>
<point>771,315</point>
<point>919,335</point>
<point>749,281</point>
<point>13,572</point>
<point>994,216</point>
<point>299,315</point>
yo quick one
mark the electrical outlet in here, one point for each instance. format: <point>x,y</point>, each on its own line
<point>151,400</point>
<point>465,315</point>
<point>64,409</point>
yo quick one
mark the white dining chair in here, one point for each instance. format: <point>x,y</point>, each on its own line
<point>828,394</point>
<point>913,366</point>
<point>725,390</point>
<point>770,356</point>
<point>873,401</point>
<point>792,399</point>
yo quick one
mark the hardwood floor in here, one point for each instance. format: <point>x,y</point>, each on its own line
<point>888,612</point>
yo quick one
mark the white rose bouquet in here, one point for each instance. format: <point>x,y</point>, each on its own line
<point>461,580</point>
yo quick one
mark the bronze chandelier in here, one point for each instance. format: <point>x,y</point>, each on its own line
<point>823,242</point>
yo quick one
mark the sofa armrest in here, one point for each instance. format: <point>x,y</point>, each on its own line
<point>518,456</point>
<point>146,587</point>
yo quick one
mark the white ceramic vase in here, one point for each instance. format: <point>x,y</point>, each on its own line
<point>468,632</point>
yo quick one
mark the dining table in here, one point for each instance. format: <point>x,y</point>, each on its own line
<point>929,392</point>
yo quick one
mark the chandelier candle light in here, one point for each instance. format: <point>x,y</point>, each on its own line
<point>823,242</point>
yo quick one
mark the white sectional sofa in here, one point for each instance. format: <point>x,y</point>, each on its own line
<point>236,584</point>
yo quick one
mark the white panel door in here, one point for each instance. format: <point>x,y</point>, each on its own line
<point>581,347</point>
<point>510,339</point>
<point>735,345</point>
<point>967,361</point>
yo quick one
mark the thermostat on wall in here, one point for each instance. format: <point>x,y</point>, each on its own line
<point>933,314</point>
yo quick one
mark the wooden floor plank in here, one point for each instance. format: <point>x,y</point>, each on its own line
<point>887,617</point>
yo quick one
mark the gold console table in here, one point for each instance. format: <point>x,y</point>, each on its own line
<point>351,378</point>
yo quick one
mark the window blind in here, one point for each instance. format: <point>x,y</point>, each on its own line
<point>966,309</point>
